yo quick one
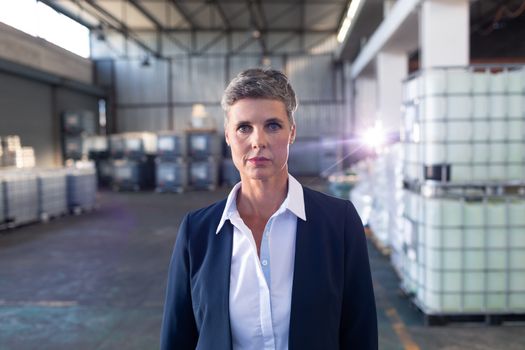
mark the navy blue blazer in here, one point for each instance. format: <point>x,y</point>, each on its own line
<point>333,303</point>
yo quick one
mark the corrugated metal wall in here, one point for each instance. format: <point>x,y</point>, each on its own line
<point>161,96</point>
<point>32,110</point>
<point>175,85</point>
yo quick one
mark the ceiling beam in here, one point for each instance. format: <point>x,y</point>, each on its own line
<point>280,2</point>
<point>303,22</point>
<point>257,29</point>
<point>66,12</point>
<point>291,8</point>
<point>124,29</point>
<point>284,41</point>
<point>183,14</point>
<point>224,18</point>
<point>262,15</point>
<point>243,30</point>
<point>146,14</point>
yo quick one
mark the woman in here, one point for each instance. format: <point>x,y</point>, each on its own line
<point>275,265</point>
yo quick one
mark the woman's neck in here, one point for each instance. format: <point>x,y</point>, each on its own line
<point>261,198</point>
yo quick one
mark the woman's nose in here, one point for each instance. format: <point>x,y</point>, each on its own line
<point>259,139</point>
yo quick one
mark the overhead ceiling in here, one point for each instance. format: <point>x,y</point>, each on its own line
<point>259,17</point>
<point>289,19</point>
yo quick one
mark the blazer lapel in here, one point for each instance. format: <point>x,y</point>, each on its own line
<point>221,276</point>
<point>301,283</point>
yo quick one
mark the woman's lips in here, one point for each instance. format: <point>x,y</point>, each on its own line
<point>258,160</point>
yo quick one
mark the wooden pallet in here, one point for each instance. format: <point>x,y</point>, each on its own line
<point>177,189</point>
<point>45,217</point>
<point>489,319</point>
<point>78,210</point>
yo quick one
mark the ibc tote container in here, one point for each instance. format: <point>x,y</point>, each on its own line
<point>463,253</point>
<point>465,124</point>
<point>72,122</point>
<point>104,172</point>
<point>21,197</point>
<point>230,174</point>
<point>171,145</point>
<point>171,176</point>
<point>133,175</point>
<point>79,122</point>
<point>204,174</point>
<point>73,147</point>
<point>81,189</point>
<point>116,146</point>
<point>203,144</point>
<point>138,145</point>
<point>96,147</point>
<point>52,193</point>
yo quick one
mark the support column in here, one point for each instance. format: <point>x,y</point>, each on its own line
<point>444,33</point>
<point>391,69</point>
<point>365,103</point>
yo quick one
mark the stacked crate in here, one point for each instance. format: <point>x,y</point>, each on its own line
<point>97,150</point>
<point>81,189</point>
<point>204,158</point>
<point>172,166</point>
<point>116,146</point>
<point>20,193</point>
<point>76,125</point>
<point>52,193</point>
<point>229,173</point>
<point>9,147</point>
<point>462,239</point>
<point>136,169</point>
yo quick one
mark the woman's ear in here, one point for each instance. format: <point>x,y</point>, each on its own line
<point>292,134</point>
<point>226,137</point>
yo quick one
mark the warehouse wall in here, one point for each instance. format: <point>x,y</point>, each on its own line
<point>38,81</point>
<point>26,110</point>
<point>38,53</point>
<point>32,110</point>
<point>160,96</point>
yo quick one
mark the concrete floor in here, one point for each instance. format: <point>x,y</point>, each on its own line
<point>96,281</point>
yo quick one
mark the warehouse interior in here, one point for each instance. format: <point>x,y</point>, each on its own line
<point>111,130</point>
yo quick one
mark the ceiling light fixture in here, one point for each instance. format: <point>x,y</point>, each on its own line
<point>146,61</point>
<point>345,26</point>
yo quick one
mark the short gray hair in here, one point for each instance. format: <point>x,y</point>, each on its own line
<point>261,83</point>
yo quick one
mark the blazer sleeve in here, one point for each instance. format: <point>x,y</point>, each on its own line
<point>179,330</point>
<point>359,319</point>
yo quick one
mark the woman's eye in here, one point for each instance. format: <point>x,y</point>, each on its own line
<point>274,126</point>
<point>244,128</point>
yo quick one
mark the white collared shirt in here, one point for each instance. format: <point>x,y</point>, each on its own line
<point>261,289</point>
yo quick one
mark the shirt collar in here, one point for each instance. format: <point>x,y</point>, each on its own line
<point>294,202</point>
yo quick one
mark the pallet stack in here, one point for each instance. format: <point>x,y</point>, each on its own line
<point>204,158</point>
<point>96,148</point>
<point>76,125</point>
<point>20,192</point>
<point>134,161</point>
<point>81,188</point>
<point>462,240</point>
<point>52,193</point>
<point>171,162</point>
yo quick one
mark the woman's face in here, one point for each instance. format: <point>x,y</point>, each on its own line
<point>259,134</point>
